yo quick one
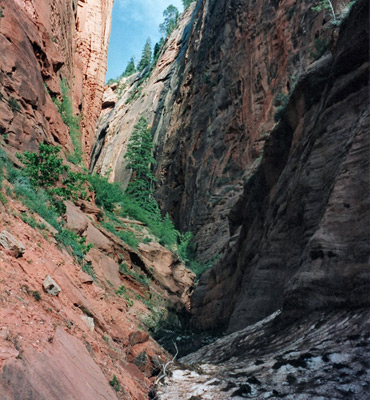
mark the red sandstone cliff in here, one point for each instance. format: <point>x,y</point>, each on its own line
<point>42,42</point>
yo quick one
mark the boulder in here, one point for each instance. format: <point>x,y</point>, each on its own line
<point>50,286</point>
<point>9,242</point>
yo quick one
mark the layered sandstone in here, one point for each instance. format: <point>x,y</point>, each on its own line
<point>211,99</point>
<point>43,42</point>
<point>304,239</point>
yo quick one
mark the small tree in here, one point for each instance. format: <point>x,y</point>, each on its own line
<point>157,50</point>
<point>130,69</point>
<point>146,55</point>
<point>171,15</point>
<point>139,158</point>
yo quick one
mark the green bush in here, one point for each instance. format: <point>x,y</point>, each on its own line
<point>45,169</point>
<point>115,384</point>
<point>106,194</point>
<point>13,104</point>
<point>127,237</point>
<point>65,109</point>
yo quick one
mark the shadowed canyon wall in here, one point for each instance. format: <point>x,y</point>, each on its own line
<point>303,218</point>
<point>211,101</point>
<point>273,198</point>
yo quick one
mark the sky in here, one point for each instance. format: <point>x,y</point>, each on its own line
<point>133,21</point>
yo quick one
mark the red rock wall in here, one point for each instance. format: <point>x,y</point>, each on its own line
<point>303,218</point>
<point>218,110</point>
<point>41,42</point>
<point>92,38</point>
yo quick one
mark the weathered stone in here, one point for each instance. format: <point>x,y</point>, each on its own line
<point>319,356</point>
<point>74,376</point>
<point>4,333</point>
<point>301,225</point>
<point>138,337</point>
<point>50,286</point>
<point>9,242</point>
<point>89,322</point>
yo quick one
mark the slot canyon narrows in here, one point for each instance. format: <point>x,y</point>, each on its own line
<point>198,227</point>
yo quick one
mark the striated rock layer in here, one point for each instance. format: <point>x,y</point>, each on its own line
<point>211,99</point>
<point>42,42</point>
<point>303,218</point>
<point>322,356</point>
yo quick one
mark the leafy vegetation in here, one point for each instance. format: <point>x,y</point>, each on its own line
<point>139,159</point>
<point>13,104</point>
<point>65,109</point>
<point>325,5</point>
<point>171,15</point>
<point>146,56</point>
<point>115,384</point>
<point>45,168</point>
<point>130,69</point>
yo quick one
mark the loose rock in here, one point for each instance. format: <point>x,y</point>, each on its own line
<point>50,286</point>
<point>9,242</point>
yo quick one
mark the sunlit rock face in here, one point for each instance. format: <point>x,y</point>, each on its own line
<point>93,23</point>
<point>304,240</point>
<point>42,42</point>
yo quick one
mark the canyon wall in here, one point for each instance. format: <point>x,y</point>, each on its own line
<point>43,42</point>
<point>303,218</point>
<point>265,195</point>
<point>210,101</point>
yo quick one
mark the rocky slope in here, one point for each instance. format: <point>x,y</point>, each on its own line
<point>66,334</point>
<point>41,43</point>
<point>303,218</point>
<point>68,329</point>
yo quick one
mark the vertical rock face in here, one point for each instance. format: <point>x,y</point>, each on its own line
<point>93,29</point>
<point>238,58</point>
<point>124,103</point>
<point>42,42</point>
<point>211,98</point>
<point>303,218</point>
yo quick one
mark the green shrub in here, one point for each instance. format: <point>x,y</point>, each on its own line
<point>13,104</point>
<point>65,109</point>
<point>45,169</point>
<point>106,194</point>
<point>88,269</point>
<point>71,241</point>
<point>36,295</point>
<point>115,384</point>
<point>127,237</point>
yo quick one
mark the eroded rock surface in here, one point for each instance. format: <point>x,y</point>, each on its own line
<point>41,42</point>
<point>301,225</point>
<point>64,370</point>
<point>324,356</point>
